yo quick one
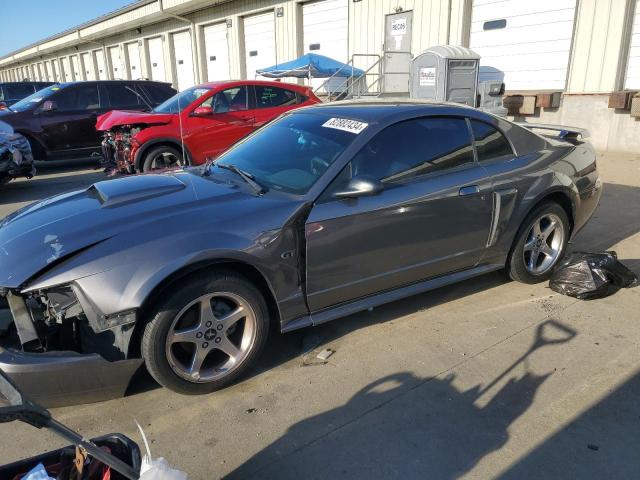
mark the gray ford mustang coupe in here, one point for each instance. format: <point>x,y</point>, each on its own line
<point>327,211</point>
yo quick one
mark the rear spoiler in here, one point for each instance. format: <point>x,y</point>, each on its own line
<point>565,133</point>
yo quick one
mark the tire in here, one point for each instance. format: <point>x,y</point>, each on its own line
<point>523,264</point>
<point>156,154</point>
<point>178,334</point>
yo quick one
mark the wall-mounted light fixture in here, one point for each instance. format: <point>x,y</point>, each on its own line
<point>229,23</point>
<point>280,12</point>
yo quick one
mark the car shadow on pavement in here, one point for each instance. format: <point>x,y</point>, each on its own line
<point>403,426</point>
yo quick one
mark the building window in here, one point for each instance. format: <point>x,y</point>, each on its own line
<point>495,24</point>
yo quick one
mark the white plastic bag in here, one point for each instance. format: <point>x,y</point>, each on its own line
<point>158,469</point>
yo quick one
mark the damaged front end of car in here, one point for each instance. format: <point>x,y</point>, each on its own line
<point>119,144</point>
<point>118,150</point>
<point>16,159</point>
<point>62,350</point>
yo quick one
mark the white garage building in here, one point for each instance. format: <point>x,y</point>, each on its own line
<point>585,49</point>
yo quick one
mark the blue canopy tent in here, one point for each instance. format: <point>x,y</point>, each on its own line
<point>310,66</point>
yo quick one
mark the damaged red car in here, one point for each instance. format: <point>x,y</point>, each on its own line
<point>196,124</point>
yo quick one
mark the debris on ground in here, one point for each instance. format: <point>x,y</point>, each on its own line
<point>588,276</point>
<point>320,359</point>
<point>325,354</point>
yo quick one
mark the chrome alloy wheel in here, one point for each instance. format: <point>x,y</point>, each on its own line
<point>166,160</point>
<point>210,337</point>
<point>544,244</point>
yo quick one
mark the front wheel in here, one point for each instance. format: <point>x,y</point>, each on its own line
<point>206,333</point>
<point>540,245</point>
<point>163,157</point>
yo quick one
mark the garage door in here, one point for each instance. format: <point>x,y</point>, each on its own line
<point>117,67</point>
<point>632,80</point>
<point>75,67</point>
<point>325,26</point>
<point>156,59</point>
<point>529,41</point>
<point>216,50</point>
<point>101,64</point>
<point>87,63</point>
<point>183,60</point>
<point>135,68</point>
<point>55,71</point>
<point>259,42</point>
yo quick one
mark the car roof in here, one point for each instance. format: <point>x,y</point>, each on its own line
<point>80,82</point>
<point>270,83</point>
<point>370,110</point>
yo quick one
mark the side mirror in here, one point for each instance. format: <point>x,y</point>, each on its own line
<point>360,186</point>
<point>202,112</point>
<point>49,106</point>
<point>3,106</point>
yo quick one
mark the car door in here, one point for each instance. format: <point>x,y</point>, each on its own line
<point>272,101</point>
<point>69,128</point>
<point>432,217</point>
<point>231,118</point>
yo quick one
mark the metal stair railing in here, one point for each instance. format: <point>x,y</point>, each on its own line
<point>354,86</point>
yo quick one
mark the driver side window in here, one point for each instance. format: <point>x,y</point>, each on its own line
<point>409,149</point>
<point>415,147</point>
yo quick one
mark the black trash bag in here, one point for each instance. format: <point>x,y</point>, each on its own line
<point>591,275</point>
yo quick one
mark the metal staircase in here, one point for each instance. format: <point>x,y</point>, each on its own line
<point>368,84</point>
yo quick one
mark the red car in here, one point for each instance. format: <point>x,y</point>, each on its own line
<point>207,119</point>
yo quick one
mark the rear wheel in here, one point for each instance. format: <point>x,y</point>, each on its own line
<point>163,157</point>
<point>540,245</point>
<point>206,334</point>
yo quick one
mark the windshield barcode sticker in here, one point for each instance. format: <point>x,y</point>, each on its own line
<point>352,126</point>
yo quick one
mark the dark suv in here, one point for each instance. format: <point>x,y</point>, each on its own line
<point>11,92</point>
<point>59,121</point>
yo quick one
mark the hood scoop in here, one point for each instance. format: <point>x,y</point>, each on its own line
<point>114,193</point>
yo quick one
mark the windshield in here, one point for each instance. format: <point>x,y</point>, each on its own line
<point>181,100</point>
<point>290,154</point>
<point>36,98</point>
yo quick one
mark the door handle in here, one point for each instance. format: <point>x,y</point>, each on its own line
<point>469,190</point>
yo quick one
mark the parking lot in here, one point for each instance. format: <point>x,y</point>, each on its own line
<point>484,379</point>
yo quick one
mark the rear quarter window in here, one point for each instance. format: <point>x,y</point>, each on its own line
<point>269,97</point>
<point>523,140</point>
<point>490,143</point>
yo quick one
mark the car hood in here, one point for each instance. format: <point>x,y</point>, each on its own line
<point>117,118</point>
<point>52,230</point>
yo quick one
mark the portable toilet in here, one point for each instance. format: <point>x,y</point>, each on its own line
<point>490,91</point>
<point>446,73</point>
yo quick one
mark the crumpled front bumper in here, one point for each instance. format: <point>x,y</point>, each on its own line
<point>56,379</point>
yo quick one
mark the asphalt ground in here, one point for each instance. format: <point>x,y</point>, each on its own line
<point>484,379</point>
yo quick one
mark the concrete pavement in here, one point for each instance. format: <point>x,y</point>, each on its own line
<point>484,379</point>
